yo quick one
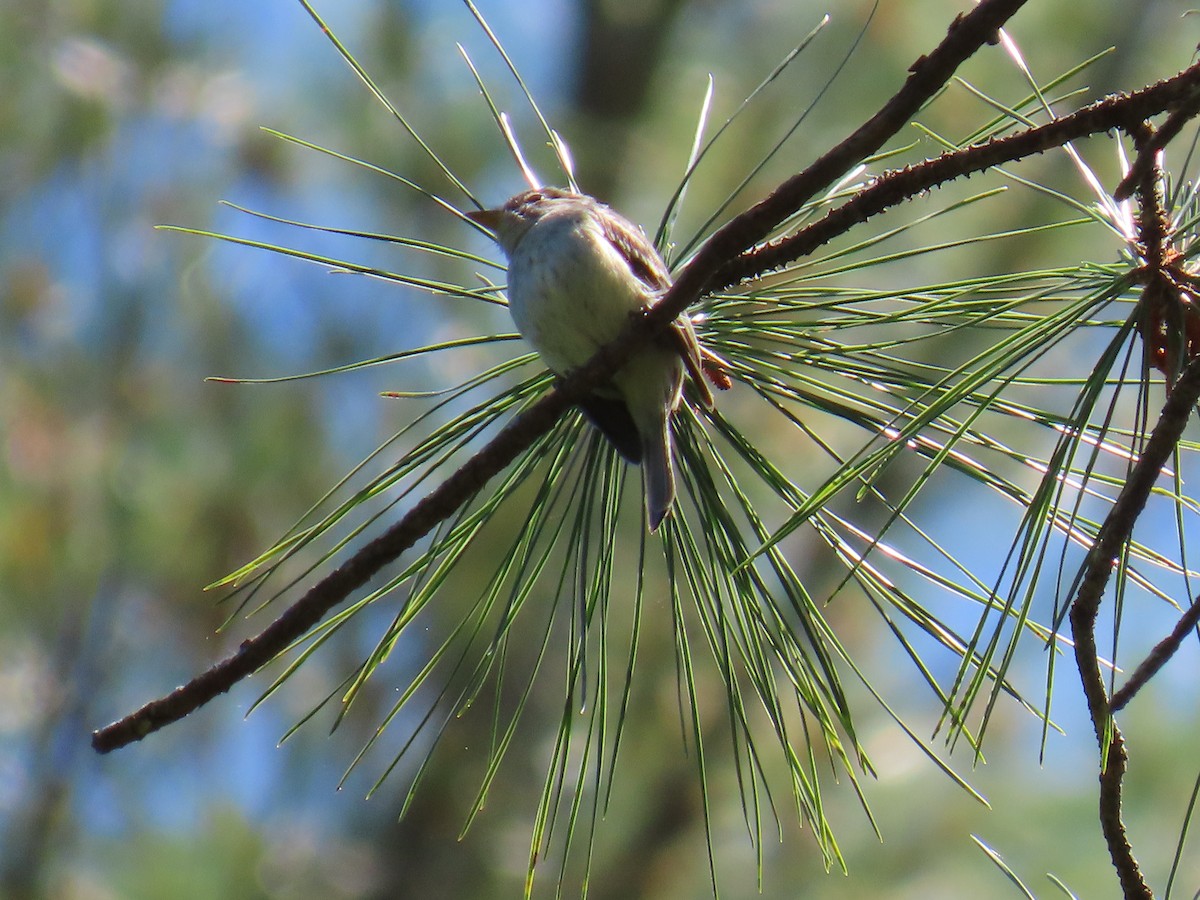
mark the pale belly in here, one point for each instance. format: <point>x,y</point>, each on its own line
<point>567,294</point>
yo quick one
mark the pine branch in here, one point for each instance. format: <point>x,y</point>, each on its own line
<point>1114,533</point>
<point>1157,658</point>
<point>897,186</point>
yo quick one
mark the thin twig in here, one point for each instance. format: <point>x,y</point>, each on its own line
<point>1147,158</point>
<point>1157,658</point>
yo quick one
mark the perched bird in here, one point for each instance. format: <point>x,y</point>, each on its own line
<point>576,272</point>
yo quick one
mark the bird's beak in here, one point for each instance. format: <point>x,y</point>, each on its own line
<point>488,218</point>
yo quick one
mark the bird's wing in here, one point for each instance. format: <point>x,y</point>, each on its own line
<point>650,269</point>
<point>612,417</point>
<point>647,265</point>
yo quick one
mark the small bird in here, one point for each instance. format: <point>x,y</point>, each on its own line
<point>577,270</point>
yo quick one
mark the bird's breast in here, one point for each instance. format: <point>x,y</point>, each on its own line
<point>570,292</point>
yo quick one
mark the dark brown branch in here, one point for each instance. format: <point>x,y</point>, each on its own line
<point>1153,237</point>
<point>1157,658</point>
<point>1153,246</point>
<point>967,33</point>
<point>1159,297</point>
<point>1147,158</point>
<point>1112,777</point>
<point>1113,535</point>
<point>256,652</point>
<point>897,186</point>
<point>1153,223</point>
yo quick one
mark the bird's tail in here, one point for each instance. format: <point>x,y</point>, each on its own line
<point>660,477</point>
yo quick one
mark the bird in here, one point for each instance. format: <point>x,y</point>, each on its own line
<point>577,271</point>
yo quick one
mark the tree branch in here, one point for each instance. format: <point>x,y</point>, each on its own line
<point>1157,658</point>
<point>1113,535</point>
<point>1147,158</point>
<point>1158,312</point>
<point>894,187</point>
<point>334,588</point>
<point>967,33</point>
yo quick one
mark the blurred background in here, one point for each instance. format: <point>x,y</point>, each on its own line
<point>127,482</point>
